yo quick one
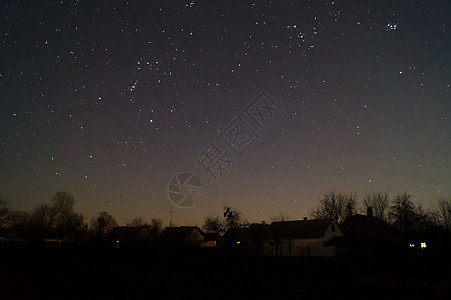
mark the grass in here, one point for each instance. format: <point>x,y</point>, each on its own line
<point>107,273</point>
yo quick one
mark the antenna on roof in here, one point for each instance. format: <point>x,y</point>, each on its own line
<point>170,221</point>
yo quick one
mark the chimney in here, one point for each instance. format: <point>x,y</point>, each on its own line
<point>305,218</point>
<point>369,211</point>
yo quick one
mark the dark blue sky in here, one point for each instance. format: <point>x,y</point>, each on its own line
<point>109,100</point>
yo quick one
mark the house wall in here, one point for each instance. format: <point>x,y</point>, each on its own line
<point>314,251</point>
<point>304,247</point>
<point>143,234</point>
<point>208,244</point>
<point>194,238</point>
<point>310,247</point>
<point>330,234</point>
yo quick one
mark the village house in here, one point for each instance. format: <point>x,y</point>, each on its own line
<point>366,235</point>
<point>182,236</point>
<point>123,235</point>
<point>287,238</point>
<point>301,238</point>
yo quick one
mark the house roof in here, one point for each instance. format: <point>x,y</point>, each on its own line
<point>6,231</point>
<point>123,232</point>
<point>302,229</point>
<point>255,232</point>
<point>212,236</point>
<point>179,233</point>
<point>366,226</point>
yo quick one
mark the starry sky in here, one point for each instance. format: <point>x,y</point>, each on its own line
<point>108,100</point>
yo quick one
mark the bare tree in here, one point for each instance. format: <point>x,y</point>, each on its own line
<point>232,218</point>
<point>75,222</point>
<point>137,222</point>
<point>43,216</point>
<point>402,212</point>
<point>335,206</point>
<point>214,224</point>
<point>379,204</point>
<point>20,219</point>
<point>279,218</point>
<point>5,213</point>
<point>442,211</point>
<point>63,203</point>
<point>102,224</point>
<point>156,225</point>
<point>406,216</point>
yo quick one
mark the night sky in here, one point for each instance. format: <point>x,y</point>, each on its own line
<point>108,100</point>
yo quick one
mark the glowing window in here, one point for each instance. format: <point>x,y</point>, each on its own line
<point>423,245</point>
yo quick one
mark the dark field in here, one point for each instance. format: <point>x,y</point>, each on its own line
<point>110,273</point>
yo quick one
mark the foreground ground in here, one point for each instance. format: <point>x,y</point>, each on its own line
<point>101,273</point>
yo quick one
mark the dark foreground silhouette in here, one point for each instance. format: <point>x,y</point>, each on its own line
<point>100,272</point>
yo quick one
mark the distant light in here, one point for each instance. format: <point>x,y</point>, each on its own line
<point>423,245</point>
<point>117,241</point>
<point>238,242</point>
<point>411,245</point>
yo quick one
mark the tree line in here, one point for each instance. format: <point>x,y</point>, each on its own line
<point>58,217</point>
<point>401,212</point>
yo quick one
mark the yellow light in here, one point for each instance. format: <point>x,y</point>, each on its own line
<point>117,241</point>
<point>411,245</point>
<point>238,242</point>
<point>423,245</point>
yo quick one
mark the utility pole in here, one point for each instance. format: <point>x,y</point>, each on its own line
<point>170,221</point>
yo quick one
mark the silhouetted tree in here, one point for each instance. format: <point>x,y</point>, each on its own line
<point>20,219</point>
<point>5,213</point>
<point>379,204</point>
<point>63,204</point>
<point>408,217</point>
<point>402,212</point>
<point>75,222</point>
<point>59,215</point>
<point>335,206</point>
<point>279,218</point>
<point>137,222</point>
<point>156,225</point>
<point>443,212</point>
<point>232,218</point>
<point>43,216</point>
<point>101,225</point>
<point>214,224</point>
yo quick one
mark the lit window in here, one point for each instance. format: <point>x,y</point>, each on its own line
<point>411,245</point>
<point>423,245</point>
<point>238,242</point>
